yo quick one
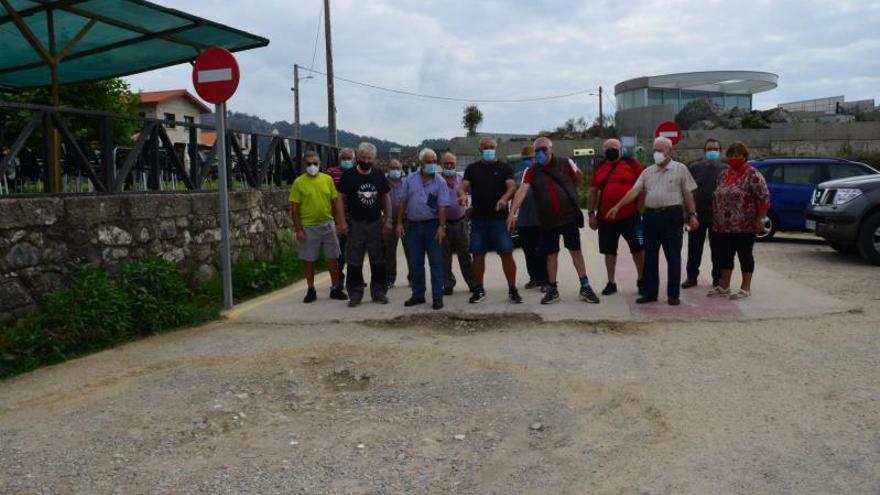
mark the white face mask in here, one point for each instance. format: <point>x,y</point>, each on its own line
<point>312,170</point>
<point>659,157</point>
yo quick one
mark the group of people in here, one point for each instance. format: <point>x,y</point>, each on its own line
<point>354,210</point>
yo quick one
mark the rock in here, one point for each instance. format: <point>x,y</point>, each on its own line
<point>361,446</point>
<point>13,295</point>
<point>459,437</point>
<point>114,254</point>
<point>23,255</point>
<point>111,235</point>
<point>696,111</point>
<point>536,426</point>
<point>704,125</point>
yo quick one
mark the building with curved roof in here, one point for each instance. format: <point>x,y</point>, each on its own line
<point>644,102</point>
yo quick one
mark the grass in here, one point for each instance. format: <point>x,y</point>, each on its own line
<point>147,297</point>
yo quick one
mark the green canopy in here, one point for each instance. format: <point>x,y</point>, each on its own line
<point>52,42</point>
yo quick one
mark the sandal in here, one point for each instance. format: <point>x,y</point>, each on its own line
<point>740,294</point>
<point>718,292</point>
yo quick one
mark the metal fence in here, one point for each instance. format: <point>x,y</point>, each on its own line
<point>147,161</point>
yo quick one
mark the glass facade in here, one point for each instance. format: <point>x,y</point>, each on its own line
<point>644,97</point>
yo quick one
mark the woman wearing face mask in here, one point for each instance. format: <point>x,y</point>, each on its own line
<point>739,208</point>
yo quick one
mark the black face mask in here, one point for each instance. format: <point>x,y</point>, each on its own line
<point>612,154</point>
<point>365,166</point>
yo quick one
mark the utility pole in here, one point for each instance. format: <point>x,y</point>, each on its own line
<point>331,100</point>
<point>601,114</point>
<point>295,101</point>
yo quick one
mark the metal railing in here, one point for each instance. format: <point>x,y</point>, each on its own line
<point>147,161</point>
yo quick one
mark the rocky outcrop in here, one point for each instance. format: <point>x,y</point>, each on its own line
<point>43,239</point>
<point>703,115</point>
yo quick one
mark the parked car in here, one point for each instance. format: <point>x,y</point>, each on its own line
<point>792,181</point>
<point>846,213</point>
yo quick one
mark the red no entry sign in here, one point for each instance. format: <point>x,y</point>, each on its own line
<point>670,130</point>
<point>215,75</point>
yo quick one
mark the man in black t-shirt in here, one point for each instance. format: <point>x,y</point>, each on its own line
<point>365,191</point>
<point>491,185</point>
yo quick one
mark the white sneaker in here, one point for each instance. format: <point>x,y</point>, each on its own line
<point>718,292</point>
<point>740,294</point>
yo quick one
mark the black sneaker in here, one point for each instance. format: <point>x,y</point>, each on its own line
<point>646,300</point>
<point>478,295</point>
<point>447,291</point>
<point>380,299</point>
<point>338,294</point>
<point>691,282</point>
<point>514,297</point>
<point>550,296</point>
<point>437,305</point>
<point>674,301</point>
<point>533,284</point>
<point>353,304</point>
<point>588,295</point>
<point>414,301</point>
<point>609,289</point>
<point>311,296</point>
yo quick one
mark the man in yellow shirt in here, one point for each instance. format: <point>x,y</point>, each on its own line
<point>314,202</point>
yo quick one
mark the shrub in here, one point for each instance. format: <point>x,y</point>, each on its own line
<point>158,297</point>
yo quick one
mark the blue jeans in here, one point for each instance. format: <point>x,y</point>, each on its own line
<point>420,241</point>
<point>662,229</point>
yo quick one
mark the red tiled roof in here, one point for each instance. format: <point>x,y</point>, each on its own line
<point>154,97</point>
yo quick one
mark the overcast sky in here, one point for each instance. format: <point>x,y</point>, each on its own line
<point>488,49</point>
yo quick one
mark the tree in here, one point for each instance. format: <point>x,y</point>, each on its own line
<point>109,95</point>
<point>602,129</point>
<point>472,119</point>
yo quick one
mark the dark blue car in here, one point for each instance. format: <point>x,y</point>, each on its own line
<point>792,181</point>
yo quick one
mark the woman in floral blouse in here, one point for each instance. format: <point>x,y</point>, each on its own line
<point>739,208</point>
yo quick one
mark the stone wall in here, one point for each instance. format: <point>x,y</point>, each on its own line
<point>43,239</point>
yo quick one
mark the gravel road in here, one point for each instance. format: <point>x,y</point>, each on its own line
<point>467,404</point>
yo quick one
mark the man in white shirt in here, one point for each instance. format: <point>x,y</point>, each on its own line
<point>669,203</point>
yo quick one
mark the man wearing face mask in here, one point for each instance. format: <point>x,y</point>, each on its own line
<point>456,242</point>
<point>612,179</point>
<point>554,181</point>
<point>314,201</point>
<point>366,192</point>
<point>705,174</point>
<point>395,181</point>
<point>528,227</point>
<point>669,203</point>
<point>424,203</point>
<point>490,182</point>
<point>346,162</point>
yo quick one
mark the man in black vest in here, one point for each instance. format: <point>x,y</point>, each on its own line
<point>554,182</point>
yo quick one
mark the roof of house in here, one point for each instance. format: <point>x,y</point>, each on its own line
<point>155,97</point>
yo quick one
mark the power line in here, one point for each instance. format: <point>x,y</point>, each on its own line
<point>450,98</point>
<point>317,34</point>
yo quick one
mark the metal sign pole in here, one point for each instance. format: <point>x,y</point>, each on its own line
<point>225,252</point>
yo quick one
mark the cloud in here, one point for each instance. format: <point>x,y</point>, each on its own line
<point>515,49</point>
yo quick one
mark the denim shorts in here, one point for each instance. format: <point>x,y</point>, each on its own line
<point>490,235</point>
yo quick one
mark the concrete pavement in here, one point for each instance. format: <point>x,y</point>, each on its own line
<point>773,296</point>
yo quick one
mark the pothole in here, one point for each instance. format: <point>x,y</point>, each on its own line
<point>346,380</point>
<point>456,324</point>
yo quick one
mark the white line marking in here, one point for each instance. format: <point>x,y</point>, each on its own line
<point>669,134</point>
<point>215,75</point>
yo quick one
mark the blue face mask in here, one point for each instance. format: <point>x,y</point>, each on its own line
<point>448,172</point>
<point>541,157</point>
<point>430,168</point>
<point>713,156</point>
<point>346,164</point>
<point>395,174</point>
<point>489,155</point>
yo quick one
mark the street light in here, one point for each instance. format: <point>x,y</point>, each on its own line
<point>295,89</point>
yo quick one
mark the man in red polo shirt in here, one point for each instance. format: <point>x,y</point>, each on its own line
<point>612,179</point>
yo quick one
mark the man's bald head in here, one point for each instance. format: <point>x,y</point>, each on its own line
<point>611,144</point>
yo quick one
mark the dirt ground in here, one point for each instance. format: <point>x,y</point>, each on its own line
<point>462,403</point>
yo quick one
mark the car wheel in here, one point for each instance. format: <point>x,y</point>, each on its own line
<point>769,228</point>
<point>869,239</point>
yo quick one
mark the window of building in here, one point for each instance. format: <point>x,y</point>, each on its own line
<point>189,120</point>
<point>169,120</point>
<point>142,115</point>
